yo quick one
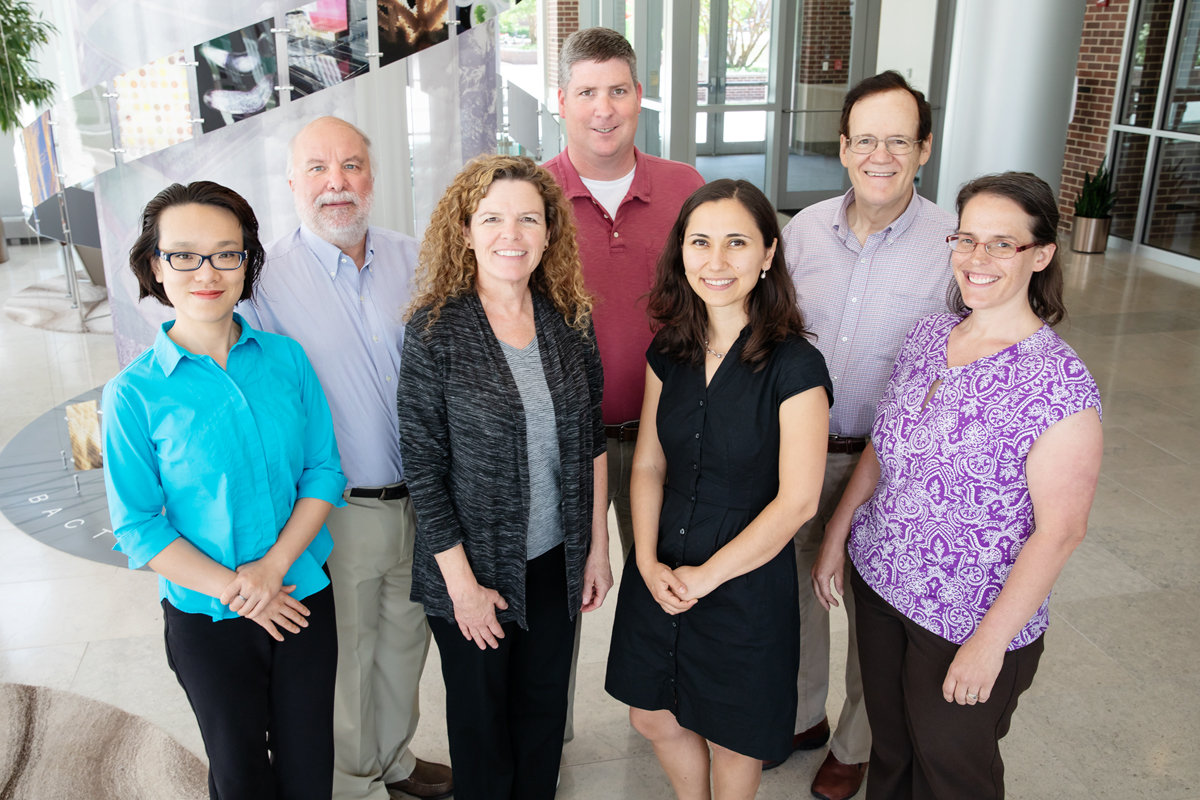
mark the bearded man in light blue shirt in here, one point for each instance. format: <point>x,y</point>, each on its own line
<point>339,287</point>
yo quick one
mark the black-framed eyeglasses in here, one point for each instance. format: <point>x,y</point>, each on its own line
<point>190,262</point>
<point>896,145</point>
<point>997,249</point>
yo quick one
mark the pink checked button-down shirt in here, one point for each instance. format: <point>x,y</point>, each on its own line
<point>862,299</point>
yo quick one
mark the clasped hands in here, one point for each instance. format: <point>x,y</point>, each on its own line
<point>676,590</point>
<point>257,592</point>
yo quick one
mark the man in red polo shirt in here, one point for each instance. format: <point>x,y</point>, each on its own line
<point>625,204</point>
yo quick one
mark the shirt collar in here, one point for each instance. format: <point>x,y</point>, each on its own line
<point>841,225</point>
<point>329,256</point>
<point>640,188</point>
<point>170,354</point>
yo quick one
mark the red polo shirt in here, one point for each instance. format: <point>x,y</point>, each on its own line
<point>619,256</point>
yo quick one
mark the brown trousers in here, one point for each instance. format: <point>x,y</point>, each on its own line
<point>922,747</point>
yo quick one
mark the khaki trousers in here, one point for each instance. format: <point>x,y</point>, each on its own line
<point>383,640</point>
<point>851,742</point>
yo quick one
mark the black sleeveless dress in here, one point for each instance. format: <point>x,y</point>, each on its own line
<point>727,667</point>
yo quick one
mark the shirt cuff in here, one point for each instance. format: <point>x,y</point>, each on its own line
<point>322,485</point>
<point>144,542</point>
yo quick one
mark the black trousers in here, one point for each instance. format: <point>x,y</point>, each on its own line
<point>506,709</point>
<point>921,746</point>
<point>265,708</point>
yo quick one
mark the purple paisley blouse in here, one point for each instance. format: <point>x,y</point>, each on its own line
<point>952,510</point>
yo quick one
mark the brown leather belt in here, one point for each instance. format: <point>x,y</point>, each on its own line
<point>626,432</point>
<point>398,492</point>
<point>846,444</point>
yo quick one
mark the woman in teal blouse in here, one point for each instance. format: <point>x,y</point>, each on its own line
<point>221,466</point>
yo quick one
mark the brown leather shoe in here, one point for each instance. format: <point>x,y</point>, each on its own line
<point>428,781</point>
<point>811,739</point>
<point>838,781</point>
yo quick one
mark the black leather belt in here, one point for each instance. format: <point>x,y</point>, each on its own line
<point>626,432</point>
<point>847,444</point>
<point>398,492</point>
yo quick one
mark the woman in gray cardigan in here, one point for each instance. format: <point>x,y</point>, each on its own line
<point>504,454</point>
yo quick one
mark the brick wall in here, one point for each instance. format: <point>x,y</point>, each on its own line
<point>823,52</point>
<point>562,19</point>
<point>1099,62</point>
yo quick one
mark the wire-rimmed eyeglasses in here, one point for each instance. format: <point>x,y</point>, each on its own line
<point>896,145</point>
<point>997,249</point>
<point>190,262</point>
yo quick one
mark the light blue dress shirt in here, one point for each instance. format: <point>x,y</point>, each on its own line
<point>219,457</point>
<point>351,324</point>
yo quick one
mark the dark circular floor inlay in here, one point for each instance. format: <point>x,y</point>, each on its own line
<point>42,492</point>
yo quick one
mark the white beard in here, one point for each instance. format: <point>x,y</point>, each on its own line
<point>343,228</point>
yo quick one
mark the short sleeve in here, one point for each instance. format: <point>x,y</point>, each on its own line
<point>657,361</point>
<point>1079,391</point>
<point>799,367</point>
<point>1067,387</point>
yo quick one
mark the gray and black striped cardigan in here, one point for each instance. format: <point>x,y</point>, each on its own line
<point>462,437</point>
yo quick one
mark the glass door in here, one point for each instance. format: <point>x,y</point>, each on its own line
<point>827,39</point>
<point>734,96</point>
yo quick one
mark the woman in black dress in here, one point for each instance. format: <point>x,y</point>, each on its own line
<point>728,466</point>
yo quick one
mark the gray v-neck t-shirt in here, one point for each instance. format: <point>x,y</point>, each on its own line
<point>541,436</point>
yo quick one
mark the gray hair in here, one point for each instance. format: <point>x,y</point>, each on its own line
<point>594,44</point>
<point>291,145</point>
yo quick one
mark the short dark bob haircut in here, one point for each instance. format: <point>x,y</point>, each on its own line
<point>887,82</point>
<point>680,316</point>
<point>204,193</point>
<point>1035,198</point>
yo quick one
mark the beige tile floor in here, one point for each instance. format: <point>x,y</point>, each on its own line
<point>1112,713</point>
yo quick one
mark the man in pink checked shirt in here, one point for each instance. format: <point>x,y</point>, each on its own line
<point>866,265</point>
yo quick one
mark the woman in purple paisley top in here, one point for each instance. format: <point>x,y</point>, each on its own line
<point>973,493</point>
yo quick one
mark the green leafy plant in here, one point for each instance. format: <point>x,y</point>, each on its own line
<point>22,31</point>
<point>1097,196</point>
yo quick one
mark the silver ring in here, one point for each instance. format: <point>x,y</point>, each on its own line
<point>244,600</point>
<point>972,697</point>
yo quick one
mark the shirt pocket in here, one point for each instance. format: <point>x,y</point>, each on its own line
<point>902,310</point>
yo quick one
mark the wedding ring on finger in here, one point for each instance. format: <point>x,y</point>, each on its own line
<point>972,696</point>
<point>244,600</point>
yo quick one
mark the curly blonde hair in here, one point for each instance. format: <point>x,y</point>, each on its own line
<point>447,266</point>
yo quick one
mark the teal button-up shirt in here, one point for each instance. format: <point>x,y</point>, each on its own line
<point>219,457</point>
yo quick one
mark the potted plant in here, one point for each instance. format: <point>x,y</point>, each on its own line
<point>22,31</point>
<point>1093,212</point>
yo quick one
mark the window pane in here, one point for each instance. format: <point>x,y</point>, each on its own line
<point>746,126</point>
<point>824,29</point>
<point>1183,103</point>
<point>747,51</point>
<point>813,159</point>
<point>1145,62</point>
<point>1174,222</point>
<point>1128,168</point>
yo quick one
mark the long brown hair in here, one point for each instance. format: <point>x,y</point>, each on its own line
<point>680,316</point>
<point>1036,199</point>
<point>447,266</point>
